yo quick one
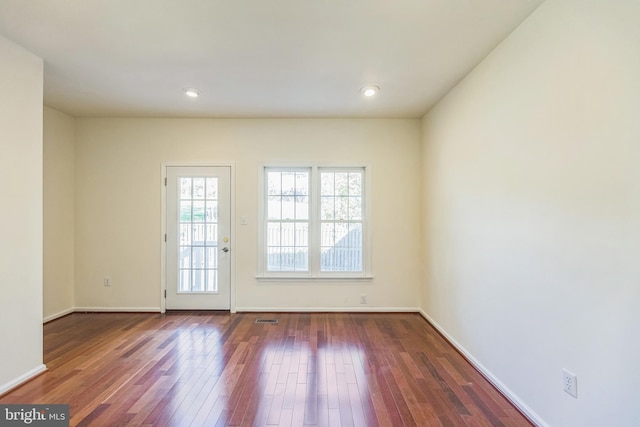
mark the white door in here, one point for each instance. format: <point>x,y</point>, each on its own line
<point>198,238</point>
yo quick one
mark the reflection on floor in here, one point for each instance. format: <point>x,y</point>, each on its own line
<point>208,368</point>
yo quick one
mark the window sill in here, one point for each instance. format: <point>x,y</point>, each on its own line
<point>314,278</point>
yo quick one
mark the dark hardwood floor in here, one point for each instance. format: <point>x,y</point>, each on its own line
<point>215,369</point>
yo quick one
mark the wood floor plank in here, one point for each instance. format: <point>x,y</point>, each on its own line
<point>211,368</point>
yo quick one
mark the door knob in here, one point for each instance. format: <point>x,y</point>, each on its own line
<point>225,249</point>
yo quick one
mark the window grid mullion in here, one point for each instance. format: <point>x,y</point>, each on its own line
<point>314,224</point>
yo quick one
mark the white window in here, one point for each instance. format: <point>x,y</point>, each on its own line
<point>314,222</point>
<point>341,220</point>
<point>287,219</point>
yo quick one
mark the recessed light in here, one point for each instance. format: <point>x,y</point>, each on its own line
<point>192,93</point>
<point>370,90</point>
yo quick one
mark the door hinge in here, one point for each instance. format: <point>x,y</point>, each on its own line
<point>165,181</point>
<point>165,237</point>
<point>165,293</point>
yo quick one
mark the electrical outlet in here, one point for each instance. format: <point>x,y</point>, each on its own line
<point>363,299</point>
<point>570,383</point>
<point>107,281</point>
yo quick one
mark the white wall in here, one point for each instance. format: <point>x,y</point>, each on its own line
<point>59,212</point>
<point>118,204</point>
<point>532,212</point>
<point>20,214</point>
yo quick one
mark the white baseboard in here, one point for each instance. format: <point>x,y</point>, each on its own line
<point>243,309</point>
<point>118,309</point>
<point>358,309</point>
<point>58,315</point>
<point>511,396</point>
<point>102,310</point>
<point>22,378</point>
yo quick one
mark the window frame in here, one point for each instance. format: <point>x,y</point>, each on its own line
<point>314,272</point>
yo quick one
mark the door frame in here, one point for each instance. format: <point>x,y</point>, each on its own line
<point>163,228</point>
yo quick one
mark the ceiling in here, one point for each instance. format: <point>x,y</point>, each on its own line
<point>256,58</point>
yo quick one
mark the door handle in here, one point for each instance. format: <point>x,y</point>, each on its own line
<point>225,249</point>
